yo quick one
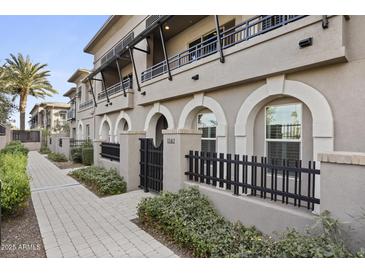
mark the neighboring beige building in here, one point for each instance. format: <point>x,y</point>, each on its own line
<point>283,87</point>
<point>81,118</point>
<point>49,115</point>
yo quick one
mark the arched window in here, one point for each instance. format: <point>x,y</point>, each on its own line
<point>283,132</point>
<point>105,131</point>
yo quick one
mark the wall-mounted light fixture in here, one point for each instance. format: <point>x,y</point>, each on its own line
<point>195,77</point>
<point>306,42</point>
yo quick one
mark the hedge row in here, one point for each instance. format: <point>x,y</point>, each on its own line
<point>15,190</point>
<point>83,154</point>
<point>105,182</point>
<point>189,220</point>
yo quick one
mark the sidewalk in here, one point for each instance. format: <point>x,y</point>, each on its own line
<point>76,223</point>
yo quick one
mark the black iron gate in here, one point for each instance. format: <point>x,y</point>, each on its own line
<point>151,165</point>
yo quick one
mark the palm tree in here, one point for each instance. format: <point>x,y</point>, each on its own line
<point>23,78</point>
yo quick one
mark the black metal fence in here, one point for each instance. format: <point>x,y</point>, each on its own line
<point>76,143</point>
<point>2,130</point>
<point>288,182</point>
<point>110,151</point>
<point>26,136</point>
<point>151,165</point>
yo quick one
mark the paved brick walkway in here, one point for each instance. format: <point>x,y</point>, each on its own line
<point>76,223</point>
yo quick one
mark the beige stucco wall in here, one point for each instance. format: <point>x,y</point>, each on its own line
<point>332,67</point>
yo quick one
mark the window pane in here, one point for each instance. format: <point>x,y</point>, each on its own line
<point>208,145</point>
<point>283,122</point>
<point>283,150</point>
<point>207,120</point>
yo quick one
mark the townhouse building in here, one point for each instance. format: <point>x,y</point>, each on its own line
<point>49,115</point>
<point>245,107</point>
<point>81,114</point>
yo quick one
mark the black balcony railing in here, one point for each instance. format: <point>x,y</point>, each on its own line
<point>86,104</point>
<point>283,131</point>
<point>76,143</point>
<point>114,89</point>
<point>117,48</point>
<point>242,32</point>
<point>26,136</point>
<point>288,182</point>
<point>110,151</point>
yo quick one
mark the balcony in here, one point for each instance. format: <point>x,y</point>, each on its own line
<point>86,104</point>
<point>248,29</point>
<point>116,88</point>
<point>253,50</point>
<point>116,100</point>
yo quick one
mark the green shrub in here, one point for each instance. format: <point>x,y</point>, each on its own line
<point>15,147</point>
<point>105,182</point>
<point>15,189</point>
<point>76,154</point>
<point>87,144</point>
<point>188,218</point>
<point>57,157</point>
<point>44,150</point>
<point>87,156</point>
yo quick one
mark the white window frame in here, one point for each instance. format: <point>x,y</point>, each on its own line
<point>87,127</point>
<point>300,141</point>
<point>197,126</point>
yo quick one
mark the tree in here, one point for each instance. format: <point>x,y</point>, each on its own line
<point>22,78</point>
<point>6,106</point>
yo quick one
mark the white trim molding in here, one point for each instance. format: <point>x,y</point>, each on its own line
<point>125,116</point>
<point>105,119</point>
<point>152,117</point>
<point>323,125</point>
<point>192,108</point>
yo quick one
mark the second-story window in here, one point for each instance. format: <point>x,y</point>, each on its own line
<point>79,90</point>
<point>207,43</point>
<point>88,131</point>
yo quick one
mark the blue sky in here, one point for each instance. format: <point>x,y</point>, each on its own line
<point>55,40</point>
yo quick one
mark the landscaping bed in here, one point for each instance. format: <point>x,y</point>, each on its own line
<point>189,220</point>
<point>20,235</point>
<point>164,239</point>
<point>61,161</point>
<point>100,181</point>
<point>67,165</point>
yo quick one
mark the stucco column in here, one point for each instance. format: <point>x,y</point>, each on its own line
<point>177,144</point>
<point>129,157</point>
<point>342,192</point>
<point>97,151</point>
<point>66,147</point>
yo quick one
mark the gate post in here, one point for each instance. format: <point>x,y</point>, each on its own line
<point>177,143</point>
<point>129,157</point>
<point>97,150</point>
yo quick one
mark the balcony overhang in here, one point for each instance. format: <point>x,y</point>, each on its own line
<point>70,92</point>
<point>77,74</point>
<point>124,53</point>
